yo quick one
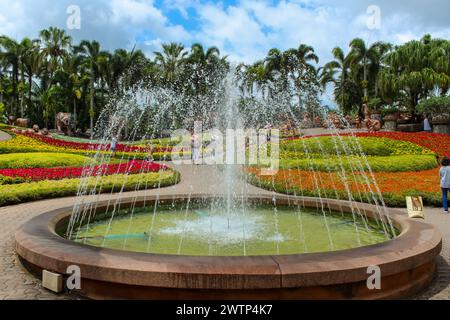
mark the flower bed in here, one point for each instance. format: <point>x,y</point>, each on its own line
<point>91,146</point>
<point>23,144</point>
<point>394,187</point>
<point>45,189</point>
<point>439,143</point>
<point>38,174</point>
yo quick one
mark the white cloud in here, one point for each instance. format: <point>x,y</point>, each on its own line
<point>245,30</point>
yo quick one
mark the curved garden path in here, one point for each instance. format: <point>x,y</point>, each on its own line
<point>4,136</point>
<point>17,283</point>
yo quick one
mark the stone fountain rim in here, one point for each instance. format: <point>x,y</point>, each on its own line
<point>417,245</point>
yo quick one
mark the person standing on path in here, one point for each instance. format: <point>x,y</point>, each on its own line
<point>196,145</point>
<point>113,146</point>
<point>426,125</point>
<point>444,174</point>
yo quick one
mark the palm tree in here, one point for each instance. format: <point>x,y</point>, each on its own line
<point>11,56</point>
<point>123,64</point>
<point>93,57</point>
<point>364,57</point>
<point>171,62</point>
<point>56,44</point>
<point>203,68</point>
<point>302,72</point>
<point>338,72</point>
<point>33,66</point>
<point>411,72</point>
<point>74,74</point>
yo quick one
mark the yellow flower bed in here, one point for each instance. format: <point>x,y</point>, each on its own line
<point>32,191</point>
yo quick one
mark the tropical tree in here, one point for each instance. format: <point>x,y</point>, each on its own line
<point>338,72</point>
<point>56,44</point>
<point>10,55</point>
<point>302,72</point>
<point>414,71</point>
<point>171,62</point>
<point>93,57</point>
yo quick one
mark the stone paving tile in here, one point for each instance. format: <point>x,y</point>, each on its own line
<point>17,283</point>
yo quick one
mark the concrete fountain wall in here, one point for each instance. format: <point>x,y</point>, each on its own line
<point>407,263</point>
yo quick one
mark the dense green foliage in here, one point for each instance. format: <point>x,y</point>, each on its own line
<point>384,75</point>
<point>40,77</point>
<point>435,105</point>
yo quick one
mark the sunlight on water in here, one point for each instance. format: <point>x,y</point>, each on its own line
<point>220,233</point>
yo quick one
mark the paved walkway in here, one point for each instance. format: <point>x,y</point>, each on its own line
<point>17,283</point>
<point>4,136</point>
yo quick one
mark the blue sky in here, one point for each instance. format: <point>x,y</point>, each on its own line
<point>243,29</point>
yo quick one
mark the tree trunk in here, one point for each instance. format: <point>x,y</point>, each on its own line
<point>22,80</point>
<point>91,108</point>
<point>365,80</point>
<point>30,82</point>
<point>74,114</point>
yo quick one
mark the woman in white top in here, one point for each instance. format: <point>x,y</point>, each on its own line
<point>444,175</point>
<point>426,125</point>
<point>196,145</point>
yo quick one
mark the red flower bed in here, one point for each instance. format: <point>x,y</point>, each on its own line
<point>36,174</point>
<point>439,143</point>
<point>91,146</point>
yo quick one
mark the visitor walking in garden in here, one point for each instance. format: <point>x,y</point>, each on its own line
<point>426,124</point>
<point>444,174</point>
<point>195,148</point>
<point>113,145</point>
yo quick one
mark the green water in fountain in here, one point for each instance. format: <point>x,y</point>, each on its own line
<point>203,231</point>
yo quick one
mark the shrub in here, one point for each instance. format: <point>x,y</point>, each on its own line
<point>40,160</point>
<point>371,146</point>
<point>68,187</point>
<point>387,164</point>
<point>10,180</point>
<point>434,105</point>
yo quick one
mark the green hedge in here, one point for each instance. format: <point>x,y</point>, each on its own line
<point>41,160</point>
<point>371,146</point>
<point>33,191</point>
<point>378,164</point>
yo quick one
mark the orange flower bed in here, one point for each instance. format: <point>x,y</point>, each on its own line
<point>388,182</point>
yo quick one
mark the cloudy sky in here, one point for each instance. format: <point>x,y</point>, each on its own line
<point>243,29</point>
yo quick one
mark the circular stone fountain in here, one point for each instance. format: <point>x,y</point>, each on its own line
<point>406,262</point>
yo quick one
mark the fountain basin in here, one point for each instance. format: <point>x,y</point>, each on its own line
<point>407,263</point>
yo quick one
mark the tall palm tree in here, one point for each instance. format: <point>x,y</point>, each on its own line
<point>363,57</point>
<point>171,62</point>
<point>93,57</point>
<point>10,54</point>
<point>302,71</point>
<point>33,66</point>
<point>339,73</point>
<point>56,44</point>
<point>411,73</point>
<point>203,68</point>
<point>74,74</point>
